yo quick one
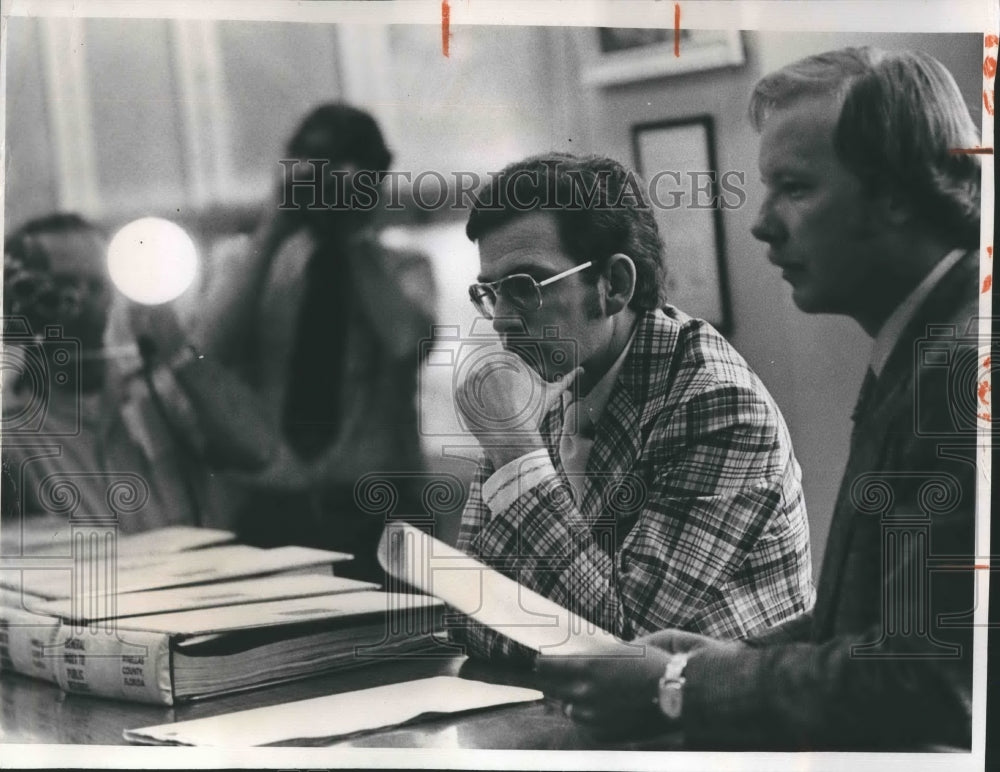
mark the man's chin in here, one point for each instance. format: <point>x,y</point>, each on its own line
<point>805,301</point>
<point>527,353</point>
<point>540,361</point>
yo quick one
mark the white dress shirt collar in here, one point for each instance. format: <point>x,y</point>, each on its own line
<point>594,402</point>
<point>889,334</point>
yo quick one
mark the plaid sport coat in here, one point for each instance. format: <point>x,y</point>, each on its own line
<point>691,513</point>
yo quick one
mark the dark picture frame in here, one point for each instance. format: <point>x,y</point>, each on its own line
<point>677,161</point>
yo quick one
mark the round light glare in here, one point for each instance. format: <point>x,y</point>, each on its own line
<point>152,261</point>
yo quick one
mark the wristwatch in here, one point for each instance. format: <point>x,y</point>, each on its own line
<point>670,695</point>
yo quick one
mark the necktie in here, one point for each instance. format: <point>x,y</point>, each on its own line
<point>312,403</point>
<point>575,443</point>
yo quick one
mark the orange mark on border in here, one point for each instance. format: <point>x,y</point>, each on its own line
<point>445,27</point>
<point>989,97</point>
<point>989,252</point>
<point>677,29</point>
<point>984,392</point>
<point>991,41</point>
<point>970,150</point>
<point>987,283</point>
<point>989,66</point>
<point>987,362</point>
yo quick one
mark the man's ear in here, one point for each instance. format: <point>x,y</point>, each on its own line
<point>619,281</point>
<point>893,208</point>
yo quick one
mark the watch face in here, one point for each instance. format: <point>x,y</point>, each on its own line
<point>670,700</point>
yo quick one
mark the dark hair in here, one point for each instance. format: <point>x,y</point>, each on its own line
<point>20,244</point>
<point>600,209</point>
<point>901,115</point>
<point>353,135</point>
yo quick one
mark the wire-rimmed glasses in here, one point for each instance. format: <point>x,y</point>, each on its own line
<point>522,291</point>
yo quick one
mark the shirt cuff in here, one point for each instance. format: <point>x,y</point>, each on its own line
<point>516,478</point>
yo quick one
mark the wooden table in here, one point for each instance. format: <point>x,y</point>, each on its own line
<point>37,712</point>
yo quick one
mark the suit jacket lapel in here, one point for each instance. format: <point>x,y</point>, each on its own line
<point>892,392</point>
<point>957,287</point>
<point>616,447</point>
<point>638,396</point>
<point>862,458</point>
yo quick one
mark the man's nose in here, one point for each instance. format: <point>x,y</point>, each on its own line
<point>506,320</point>
<point>766,228</point>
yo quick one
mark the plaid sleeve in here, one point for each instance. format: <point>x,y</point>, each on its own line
<point>795,630</point>
<point>478,639</point>
<point>724,550</point>
<point>718,545</point>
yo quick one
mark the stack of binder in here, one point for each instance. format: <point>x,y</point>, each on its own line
<point>181,614</point>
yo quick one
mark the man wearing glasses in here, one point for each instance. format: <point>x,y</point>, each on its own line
<point>634,470</point>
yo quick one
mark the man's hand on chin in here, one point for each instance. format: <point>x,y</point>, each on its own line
<point>503,401</point>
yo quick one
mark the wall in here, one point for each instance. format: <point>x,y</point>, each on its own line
<point>187,115</point>
<point>812,365</point>
<point>115,118</point>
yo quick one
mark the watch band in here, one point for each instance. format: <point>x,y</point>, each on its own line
<point>670,694</point>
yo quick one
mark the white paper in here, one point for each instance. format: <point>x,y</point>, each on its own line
<point>52,535</point>
<point>486,595</point>
<point>336,715</point>
<point>210,595</point>
<point>184,568</point>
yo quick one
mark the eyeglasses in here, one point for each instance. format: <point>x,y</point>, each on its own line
<point>520,290</point>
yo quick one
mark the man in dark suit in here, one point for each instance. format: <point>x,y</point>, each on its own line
<point>869,213</point>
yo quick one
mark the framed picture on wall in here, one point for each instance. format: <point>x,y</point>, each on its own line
<point>677,160</point>
<point>614,55</point>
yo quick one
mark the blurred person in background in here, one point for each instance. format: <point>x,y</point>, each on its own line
<point>323,322</point>
<point>82,430</point>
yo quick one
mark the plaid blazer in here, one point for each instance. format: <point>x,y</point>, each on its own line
<point>691,513</point>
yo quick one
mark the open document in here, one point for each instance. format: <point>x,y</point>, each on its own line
<point>487,596</point>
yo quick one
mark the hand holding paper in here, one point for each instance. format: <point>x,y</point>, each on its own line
<point>489,597</point>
